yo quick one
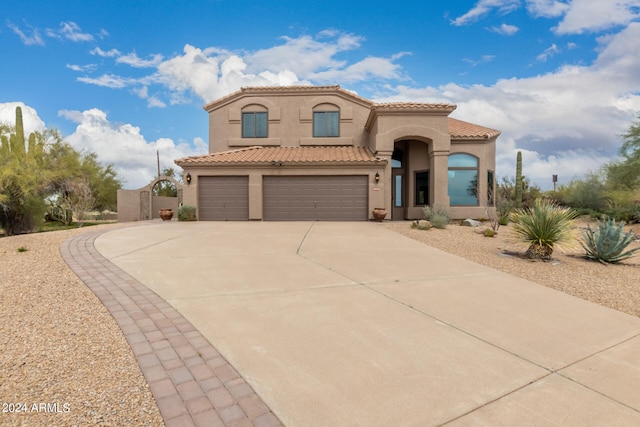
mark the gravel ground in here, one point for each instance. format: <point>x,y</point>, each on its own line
<point>616,285</point>
<point>60,348</point>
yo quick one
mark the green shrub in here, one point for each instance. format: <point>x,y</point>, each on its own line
<point>607,243</point>
<point>187,213</point>
<point>22,249</point>
<point>543,226</point>
<point>489,233</point>
<point>417,225</point>
<point>438,215</point>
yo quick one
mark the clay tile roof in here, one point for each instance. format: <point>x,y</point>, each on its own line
<point>465,130</point>
<point>267,155</point>
<point>413,106</point>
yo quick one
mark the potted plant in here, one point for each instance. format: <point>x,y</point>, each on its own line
<point>379,214</point>
<point>166,214</point>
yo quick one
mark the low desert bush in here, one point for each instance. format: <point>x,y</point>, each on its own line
<point>438,215</point>
<point>187,213</point>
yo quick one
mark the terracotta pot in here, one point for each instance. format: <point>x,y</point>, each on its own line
<point>379,213</point>
<point>166,214</point>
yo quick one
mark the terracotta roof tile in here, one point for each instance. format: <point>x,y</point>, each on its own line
<point>465,130</point>
<point>338,154</point>
<point>412,106</point>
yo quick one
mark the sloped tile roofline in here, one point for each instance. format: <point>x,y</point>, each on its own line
<point>459,129</point>
<point>287,155</point>
<point>413,106</point>
<point>267,90</point>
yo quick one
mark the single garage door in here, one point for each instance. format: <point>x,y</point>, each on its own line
<point>223,198</point>
<point>311,198</point>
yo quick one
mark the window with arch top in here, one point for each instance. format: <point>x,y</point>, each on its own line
<point>463,180</point>
<point>255,122</point>
<point>326,121</point>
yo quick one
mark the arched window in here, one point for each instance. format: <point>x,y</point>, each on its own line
<point>326,121</point>
<point>463,180</point>
<point>255,122</point>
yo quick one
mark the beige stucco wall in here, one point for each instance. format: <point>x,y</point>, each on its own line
<point>141,204</point>
<point>290,121</point>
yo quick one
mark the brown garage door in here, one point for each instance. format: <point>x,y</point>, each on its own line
<point>223,198</point>
<point>304,198</point>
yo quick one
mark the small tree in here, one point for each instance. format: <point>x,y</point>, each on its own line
<point>79,198</point>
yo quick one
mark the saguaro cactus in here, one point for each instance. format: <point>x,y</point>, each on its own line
<point>519,180</point>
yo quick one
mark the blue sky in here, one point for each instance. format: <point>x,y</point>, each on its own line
<point>559,78</point>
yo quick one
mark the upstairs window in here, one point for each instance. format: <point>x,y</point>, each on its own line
<point>254,124</point>
<point>326,123</point>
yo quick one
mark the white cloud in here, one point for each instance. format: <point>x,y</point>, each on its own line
<point>548,53</point>
<point>577,16</point>
<point>590,16</point>
<point>71,31</point>
<point>483,8</point>
<point>109,80</point>
<point>484,59</point>
<point>547,8</point>
<point>33,39</point>
<point>133,157</point>
<point>505,29</point>
<point>133,60</point>
<point>30,119</point>
<point>82,68</point>
<point>211,73</point>
<point>105,54</point>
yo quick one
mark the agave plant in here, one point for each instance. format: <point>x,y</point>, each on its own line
<point>543,226</point>
<point>607,243</point>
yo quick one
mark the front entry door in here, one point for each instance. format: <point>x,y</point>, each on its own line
<point>397,194</point>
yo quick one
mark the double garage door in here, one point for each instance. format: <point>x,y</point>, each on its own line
<point>286,198</point>
<point>311,198</point>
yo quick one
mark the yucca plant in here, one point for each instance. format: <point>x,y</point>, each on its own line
<point>607,243</point>
<point>543,226</point>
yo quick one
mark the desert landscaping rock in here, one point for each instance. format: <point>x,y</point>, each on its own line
<point>614,286</point>
<point>60,346</point>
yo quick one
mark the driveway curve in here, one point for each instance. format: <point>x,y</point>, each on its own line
<point>352,324</point>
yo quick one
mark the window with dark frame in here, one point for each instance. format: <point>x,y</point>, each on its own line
<point>422,188</point>
<point>326,124</point>
<point>463,180</point>
<point>255,124</point>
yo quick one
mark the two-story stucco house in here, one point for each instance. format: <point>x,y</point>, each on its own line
<point>324,153</point>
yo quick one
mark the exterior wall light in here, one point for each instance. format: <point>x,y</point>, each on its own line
<point>188,178</point>
<point>377,177</point>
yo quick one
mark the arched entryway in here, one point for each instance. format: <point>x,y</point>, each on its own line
<point>410,178</point>
<point>145,203</point>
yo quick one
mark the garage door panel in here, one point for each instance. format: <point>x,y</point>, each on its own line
<point>295,198</point>
<point>223,198</point>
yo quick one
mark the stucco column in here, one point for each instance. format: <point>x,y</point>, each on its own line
<point>255,195</point>
<point>385,184</point>
<point>440,178</point>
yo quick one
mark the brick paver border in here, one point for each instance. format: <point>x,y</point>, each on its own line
<point>191,382</point>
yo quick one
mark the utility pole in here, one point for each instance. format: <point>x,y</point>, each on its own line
<point>158,156</point>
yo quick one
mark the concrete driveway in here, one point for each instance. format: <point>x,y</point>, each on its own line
<point>352,324</point>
